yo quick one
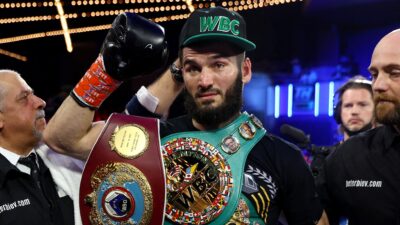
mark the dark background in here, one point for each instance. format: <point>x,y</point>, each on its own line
<point>322,34</point>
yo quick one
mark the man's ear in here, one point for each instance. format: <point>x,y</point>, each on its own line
<point>1,120</point>
<point>246,70</point>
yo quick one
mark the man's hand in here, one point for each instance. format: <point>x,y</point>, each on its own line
<point>134,46</point>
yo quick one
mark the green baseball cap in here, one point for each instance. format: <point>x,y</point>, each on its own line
<point>216,23</point>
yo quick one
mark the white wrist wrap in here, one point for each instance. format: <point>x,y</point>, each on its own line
<point>146,99</point>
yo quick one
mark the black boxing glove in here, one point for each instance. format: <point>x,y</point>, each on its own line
<point>134,46</point>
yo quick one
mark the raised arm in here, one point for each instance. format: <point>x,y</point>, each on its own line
<point>158,97</point>
<point>133,47</point>
<point>166,89</point>
<point>71,131</point>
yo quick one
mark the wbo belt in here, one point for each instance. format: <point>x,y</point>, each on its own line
<point>123,181</point>
<point>204,171</point>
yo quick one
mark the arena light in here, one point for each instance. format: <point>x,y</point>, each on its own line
<point>102,13</point>
<point>277,101</point>
<point>12,5</point>
<point>13,55</point>
<point>22,37</point>
<point>316,99</point>
<point>64,25</point>
<point>113,2</point>
<point>190,5</point>
<point>237,5</point>
<point>290,100</point>
<point>26,19</point>
<point>81,30</point>
<point>331,96</point>
<point>77,3</point>
<point>234,5</point>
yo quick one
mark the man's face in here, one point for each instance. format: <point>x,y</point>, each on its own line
<point>214,82</point>
<point>248,130</point>
<point>357,109</point>
<point>385,71</point>
<point>231,144</point>
<point>22,114</point>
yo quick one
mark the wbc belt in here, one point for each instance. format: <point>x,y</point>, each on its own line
<point>204,171</point>
<point>123,181</point>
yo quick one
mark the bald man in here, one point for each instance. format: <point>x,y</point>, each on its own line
<point>362,176</point>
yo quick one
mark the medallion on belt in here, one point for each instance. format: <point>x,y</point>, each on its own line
<point>256,121</point>
<point>122,195</point>
<point>230,144</point>
<point>199,181</point>
<point>129,141</point>
<point>247,130</point>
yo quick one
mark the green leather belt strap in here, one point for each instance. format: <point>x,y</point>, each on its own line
<point>235,160</point>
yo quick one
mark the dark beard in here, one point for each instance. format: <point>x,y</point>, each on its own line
<point>211,117</point>
<point>352,133</point>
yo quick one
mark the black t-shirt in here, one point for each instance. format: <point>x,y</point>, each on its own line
<point>22,202</point>
<point>276,178</point>
<point>363,179</point>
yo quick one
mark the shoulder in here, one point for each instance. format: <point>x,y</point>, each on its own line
<point>279,147</point>
<point>278,154</point>
<point>355,154</point>
<point>283,164</point>
<point>177,124</point>
<point>53,159</point>
<point>357,145</point>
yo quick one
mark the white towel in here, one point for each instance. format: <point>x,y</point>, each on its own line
<point>66,172</point>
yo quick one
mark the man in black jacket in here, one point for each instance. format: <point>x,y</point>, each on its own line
<point>29,194</point>
<point>362,177</point>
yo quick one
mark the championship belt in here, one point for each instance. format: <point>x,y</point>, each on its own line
<point>204,171</point>
<point>123,181</point>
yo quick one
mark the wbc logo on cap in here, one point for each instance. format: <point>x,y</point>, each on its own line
<point>220,24</point>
